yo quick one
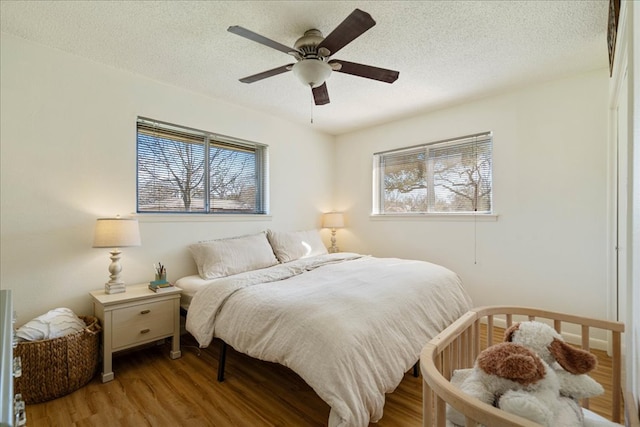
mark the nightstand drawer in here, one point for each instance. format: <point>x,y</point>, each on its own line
<point>142,323</point>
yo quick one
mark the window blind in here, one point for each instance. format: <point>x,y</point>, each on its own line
<point>451,176</point>
<point>186,170</point>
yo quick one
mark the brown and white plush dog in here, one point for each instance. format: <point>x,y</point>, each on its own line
<point>515,379</point>
<point>570,364</point>
<point>534,374</point>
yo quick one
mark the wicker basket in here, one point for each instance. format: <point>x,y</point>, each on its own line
<point>55,367</point>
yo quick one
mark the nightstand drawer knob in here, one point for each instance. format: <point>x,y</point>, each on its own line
<point>145,312</point>
<point>145,331</point>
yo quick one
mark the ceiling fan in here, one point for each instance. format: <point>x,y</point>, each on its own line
<point>313,52</point>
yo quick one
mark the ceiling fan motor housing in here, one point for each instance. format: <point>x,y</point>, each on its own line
<point>311,69</point>
<point>308,44</point>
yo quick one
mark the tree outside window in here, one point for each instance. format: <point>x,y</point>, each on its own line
<point>172,170</point>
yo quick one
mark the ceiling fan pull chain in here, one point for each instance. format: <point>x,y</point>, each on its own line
<point>311,86</point>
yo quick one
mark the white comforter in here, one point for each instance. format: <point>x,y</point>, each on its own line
<point>349,325</point>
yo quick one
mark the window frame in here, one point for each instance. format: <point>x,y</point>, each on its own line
<point>208,140</point>
<point>378,184</point>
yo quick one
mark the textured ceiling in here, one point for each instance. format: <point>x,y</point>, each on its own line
<point>447,52</point>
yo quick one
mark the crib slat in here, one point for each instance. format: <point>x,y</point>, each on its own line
<point>586,333</point>
<point>446,362</point>
<point>616,367</point>
<point>466,349</point>
<point>455,354</point>
<point>441,412</point>
<point>584,342</point>
<point>439,402</point>
<point>427,405</point>
<point>476,339</point>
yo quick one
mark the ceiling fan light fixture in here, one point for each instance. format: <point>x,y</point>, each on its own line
<point>312,72</point>
<point>313,53</point>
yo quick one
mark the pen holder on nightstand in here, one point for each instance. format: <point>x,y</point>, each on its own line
<point>161,279</point>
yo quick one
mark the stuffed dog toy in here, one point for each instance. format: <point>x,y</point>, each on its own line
<point>515,379</point>
<point>534,374</point>
<point>570,364</point>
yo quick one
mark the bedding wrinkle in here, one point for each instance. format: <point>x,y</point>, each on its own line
<point>349,325</point>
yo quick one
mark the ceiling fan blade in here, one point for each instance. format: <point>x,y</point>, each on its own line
<point>351,28</point>
<point>265,74</point>
<point>320,94</point>
<point>367,71</point>
<point>236,29</point>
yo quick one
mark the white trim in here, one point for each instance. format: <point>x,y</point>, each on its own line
<point>618,76</point>
<point>435,217</point>
<point>612,216</point>
<point>182,217</point>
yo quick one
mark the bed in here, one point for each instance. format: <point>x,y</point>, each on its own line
<point>458,345</point>
<point>349,325</point>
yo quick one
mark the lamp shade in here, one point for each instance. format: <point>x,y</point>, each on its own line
<point>333,220</point>
<point>116,233</point>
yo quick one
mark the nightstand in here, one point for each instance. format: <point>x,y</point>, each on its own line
<point>137,316</point>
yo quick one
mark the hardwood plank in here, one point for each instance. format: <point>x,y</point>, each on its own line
<point>150,389</point>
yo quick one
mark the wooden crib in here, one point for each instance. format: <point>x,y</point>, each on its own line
<point>459,344</point>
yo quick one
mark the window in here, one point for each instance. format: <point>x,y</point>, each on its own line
<point>452,176</point>
<point>184,170</point>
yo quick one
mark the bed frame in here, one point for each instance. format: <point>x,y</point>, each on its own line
<point>458,345</point>
<point>223,355</point>
<point>223,361</point>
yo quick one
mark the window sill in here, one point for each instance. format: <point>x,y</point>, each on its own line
<point>463,217</point>
<point>197,217</point>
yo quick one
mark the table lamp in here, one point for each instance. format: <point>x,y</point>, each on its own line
<point>116,233</point>
<point>333,220</point>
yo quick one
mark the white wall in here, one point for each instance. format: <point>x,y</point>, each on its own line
<point>548,246</point>
<point>68,156</point>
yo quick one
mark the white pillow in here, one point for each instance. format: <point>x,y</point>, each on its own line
<point>53,324</point>
<point>293,245</point>
<point>224,257</point>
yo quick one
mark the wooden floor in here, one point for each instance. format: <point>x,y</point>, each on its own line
<point>150,389</point>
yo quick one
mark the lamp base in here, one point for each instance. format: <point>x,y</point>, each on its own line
<point>115,285</point>
<point>114,288</point>
<point>334,248</point>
